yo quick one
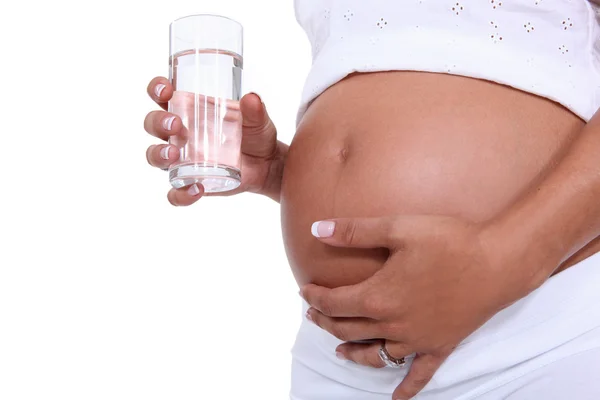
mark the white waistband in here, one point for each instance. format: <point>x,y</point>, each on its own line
<point>565,307</point>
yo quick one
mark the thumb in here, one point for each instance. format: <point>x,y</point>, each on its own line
<point>356,232</point>
<point>259,136</point>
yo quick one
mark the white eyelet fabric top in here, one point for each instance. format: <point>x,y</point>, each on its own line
<point>550,48</point>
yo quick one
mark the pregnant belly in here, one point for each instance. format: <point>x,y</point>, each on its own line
<point>411,143</point>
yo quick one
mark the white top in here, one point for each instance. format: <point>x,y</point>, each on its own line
<point>547,47</point>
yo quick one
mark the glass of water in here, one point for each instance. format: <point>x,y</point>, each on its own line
<point>205,68</point>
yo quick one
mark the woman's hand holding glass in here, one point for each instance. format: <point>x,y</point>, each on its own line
<point>262,155</point>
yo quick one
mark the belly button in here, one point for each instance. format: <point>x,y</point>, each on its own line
<point>343,154</point>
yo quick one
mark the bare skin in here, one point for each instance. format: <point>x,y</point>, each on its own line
<point>446,275</point>
<point>263,155</point>
<point>412,143</point>
<point>427,153</point>
<point>405,166</point>
<point>418,171</point>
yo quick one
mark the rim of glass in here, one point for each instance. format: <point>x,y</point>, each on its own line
<point>216,16</point>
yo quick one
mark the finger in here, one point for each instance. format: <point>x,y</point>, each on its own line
<point>185,196</point>
<point>398,349</point>
<point>160,90</point>
<point>421,371</point>
<point>363,354</point>
<point>368,353</point>
<point>345,329</point>
<point>356,232</point>
<point>162,124</point>
<point>162,155</point>
<point>344,301</point>
<point>259,136</point>
<point>212,110</point>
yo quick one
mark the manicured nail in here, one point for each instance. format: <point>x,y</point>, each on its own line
<point>164,152</point>
<point>308,317</point>
<point>168,123</point>
<point>193,190</point>
<point>340,355</point>
<point>322,229</point>
<point>159,88</point>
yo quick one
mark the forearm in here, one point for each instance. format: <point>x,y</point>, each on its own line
<point>272,188</point>
<point>560,215</point>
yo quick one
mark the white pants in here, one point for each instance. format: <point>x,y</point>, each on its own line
<point>546,346</point>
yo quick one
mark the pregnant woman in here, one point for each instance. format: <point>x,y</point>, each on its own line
<point>440,200</point>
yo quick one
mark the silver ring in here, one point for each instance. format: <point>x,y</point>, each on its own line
<point>388,359</point>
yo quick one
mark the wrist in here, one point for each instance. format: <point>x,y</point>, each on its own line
<point>518,255</point>
<point>556,216</point>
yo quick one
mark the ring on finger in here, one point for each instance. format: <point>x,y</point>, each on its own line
<point>389,360</point>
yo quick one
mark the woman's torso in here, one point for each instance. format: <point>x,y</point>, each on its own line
<point>390,143</point>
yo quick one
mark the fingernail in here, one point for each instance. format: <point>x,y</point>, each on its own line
<point>159,88</point>
<point>308,317</point>
<point>322,229</point>
<point>168,123</point>
<point>193,190</point>
<point>260,98</point>
<point>164,153</point>
<point>340,355</point>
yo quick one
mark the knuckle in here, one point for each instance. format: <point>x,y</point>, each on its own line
<point>374,362</point>
<point>394,232</point>
<point>339,331</point>
<point>373,305</point>
<point>325,307</point>
<point>367,358</point>
<point>391,328</point>
<point>349,232</point>
<point>259,127</point>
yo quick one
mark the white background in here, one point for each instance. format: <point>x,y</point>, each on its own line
<point>106,290</point>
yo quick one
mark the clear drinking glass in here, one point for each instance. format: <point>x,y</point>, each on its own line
<point>205,68</point>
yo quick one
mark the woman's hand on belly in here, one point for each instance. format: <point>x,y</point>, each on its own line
<point>442,280</point>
